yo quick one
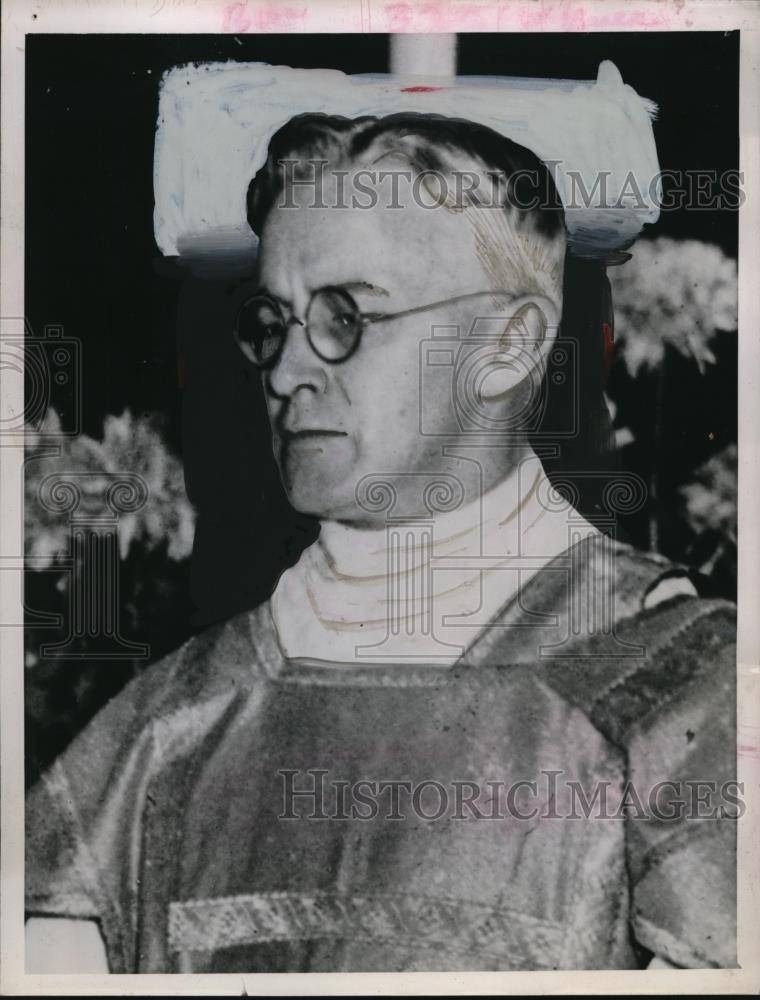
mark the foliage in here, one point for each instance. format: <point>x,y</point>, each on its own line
<point>711,513</point>
<point>129,444</point>
<point>66,686</point>
<point>673,292</point>
<point>710,500</point>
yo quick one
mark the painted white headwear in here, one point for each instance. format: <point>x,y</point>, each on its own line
<point>216,120</point>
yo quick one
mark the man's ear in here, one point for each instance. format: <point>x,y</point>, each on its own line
<point>523,346</point>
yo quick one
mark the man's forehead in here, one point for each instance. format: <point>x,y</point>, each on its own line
<point>381,219</point>
<point>389,182</point>
<point>389,246</point>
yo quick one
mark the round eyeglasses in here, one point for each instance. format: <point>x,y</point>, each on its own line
<point>333,324</point>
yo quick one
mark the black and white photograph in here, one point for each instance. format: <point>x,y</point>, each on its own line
<point>371,552</point>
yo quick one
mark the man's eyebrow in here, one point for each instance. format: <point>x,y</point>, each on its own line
<point>364,286</point>
<point>263,290</point>
<point>349,286</point>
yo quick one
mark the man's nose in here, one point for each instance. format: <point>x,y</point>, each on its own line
<point>297,367</point>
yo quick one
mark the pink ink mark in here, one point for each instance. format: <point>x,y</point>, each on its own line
<point>235,18</point>
<point>541,15</point>
<point>577,17</point>
<point>239,17</point>
<point>433,15</point>
<point>420,90</point>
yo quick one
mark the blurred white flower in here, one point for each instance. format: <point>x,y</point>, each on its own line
<point>623,435</point>
<point>711,498</point>
<point>676,292</point>
<point>129,445</point>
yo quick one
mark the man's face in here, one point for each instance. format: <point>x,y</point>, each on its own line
<point>333,424</point>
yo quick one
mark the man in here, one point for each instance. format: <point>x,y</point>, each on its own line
<point>463,732</point>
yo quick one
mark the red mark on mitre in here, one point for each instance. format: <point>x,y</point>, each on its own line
<point>419,90</point>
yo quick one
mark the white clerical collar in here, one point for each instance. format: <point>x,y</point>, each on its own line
<point>449,575</point>
<point>362,552</point>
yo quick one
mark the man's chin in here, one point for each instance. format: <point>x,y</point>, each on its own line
<point>327,497</point>
<point>317,475</point>
<point>321,505</point>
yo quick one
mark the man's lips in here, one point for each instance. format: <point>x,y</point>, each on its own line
<point>286,434</point>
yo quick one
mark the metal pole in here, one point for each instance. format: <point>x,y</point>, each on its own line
<point>433,56</point>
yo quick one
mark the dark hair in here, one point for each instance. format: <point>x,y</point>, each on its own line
<point>428,142</point>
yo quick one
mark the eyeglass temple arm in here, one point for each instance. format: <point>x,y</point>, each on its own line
<point>377,317</point>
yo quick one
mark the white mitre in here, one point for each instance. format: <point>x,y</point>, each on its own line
<point>216,119</point>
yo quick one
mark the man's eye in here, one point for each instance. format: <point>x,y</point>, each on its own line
<point>270,325</point>
<point>272,329</point>
<point>261,328</point>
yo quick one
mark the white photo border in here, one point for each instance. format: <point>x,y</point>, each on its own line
<point>21,17</point>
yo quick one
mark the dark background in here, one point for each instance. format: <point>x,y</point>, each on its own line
<point>92,266</point>
<point>91,107</point>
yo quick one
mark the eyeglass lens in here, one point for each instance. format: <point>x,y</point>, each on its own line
<point>261,328</point>
<point>333,326</point>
